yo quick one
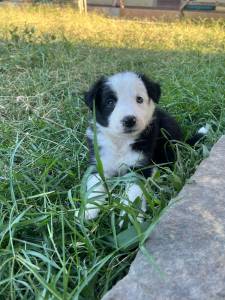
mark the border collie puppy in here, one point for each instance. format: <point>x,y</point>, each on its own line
<point>132,133</point>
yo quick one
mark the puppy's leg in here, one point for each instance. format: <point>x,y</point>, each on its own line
<point>96,195</point>
<point>133,191</point>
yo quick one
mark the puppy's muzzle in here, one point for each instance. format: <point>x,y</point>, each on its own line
<point>129,122</point>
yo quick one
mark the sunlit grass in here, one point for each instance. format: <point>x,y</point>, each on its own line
<point>48,57</point>
<point>107,32</point>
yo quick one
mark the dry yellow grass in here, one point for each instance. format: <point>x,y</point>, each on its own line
<point>108,32</point>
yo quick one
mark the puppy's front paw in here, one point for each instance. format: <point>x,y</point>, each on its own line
<point>96,190</point>
<point>91,212</point>
<point>133,191</point>
<point>140,218</point>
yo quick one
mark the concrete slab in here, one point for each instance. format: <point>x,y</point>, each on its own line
<point>188,244</point>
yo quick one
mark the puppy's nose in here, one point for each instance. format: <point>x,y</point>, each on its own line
<point>129,121</point>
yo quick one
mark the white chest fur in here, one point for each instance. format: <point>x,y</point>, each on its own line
<point>116,153</point>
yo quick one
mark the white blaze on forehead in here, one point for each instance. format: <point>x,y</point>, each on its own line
<point>127,85</point>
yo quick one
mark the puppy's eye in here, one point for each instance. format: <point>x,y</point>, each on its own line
<point>139,99</point>
<point>110,102</point>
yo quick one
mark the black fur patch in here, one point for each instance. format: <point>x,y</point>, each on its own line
<point>153,88</point>
<point>101,94</point>
<point>155,142</point>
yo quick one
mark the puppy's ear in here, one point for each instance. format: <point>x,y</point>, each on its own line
<point>153,88</point>
<point>94,93</point>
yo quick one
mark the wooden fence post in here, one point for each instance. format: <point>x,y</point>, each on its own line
<point>82,5</point>
<point>122,3</point>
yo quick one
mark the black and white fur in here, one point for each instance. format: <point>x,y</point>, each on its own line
<point>132,132</point>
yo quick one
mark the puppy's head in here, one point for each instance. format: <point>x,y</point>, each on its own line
<point>125,102</point>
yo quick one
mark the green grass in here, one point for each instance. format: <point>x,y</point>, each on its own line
<point>48,57</point>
